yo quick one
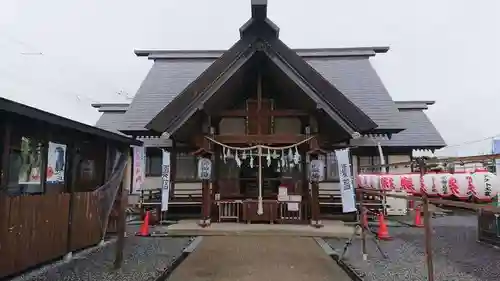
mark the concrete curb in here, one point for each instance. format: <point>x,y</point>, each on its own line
<point>185,253</point>
<point>348,269</point>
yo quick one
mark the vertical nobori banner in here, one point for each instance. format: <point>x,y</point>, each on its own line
<point>346,186</point>
<point>139,168</point>
<point>496,150</point>
<point>165,180</point>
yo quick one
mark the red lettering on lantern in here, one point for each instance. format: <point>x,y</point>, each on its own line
<point>387,183</point>
<point>452,183</point>
<point>471,189</point>
<point>407,183</point>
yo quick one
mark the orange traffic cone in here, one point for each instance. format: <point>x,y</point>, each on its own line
<point>418,218</point>
<point>144,231</point>
<point>383,233</point>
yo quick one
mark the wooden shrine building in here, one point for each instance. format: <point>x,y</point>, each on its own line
<point>291,106</point>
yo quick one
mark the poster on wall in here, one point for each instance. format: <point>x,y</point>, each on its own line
<point>30,161</point>
<point>346,185</point>
<point>56,162</point>
<point>139,167</point>
<point>165,180</point>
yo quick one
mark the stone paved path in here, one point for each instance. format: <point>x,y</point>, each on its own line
<point>251,258</point>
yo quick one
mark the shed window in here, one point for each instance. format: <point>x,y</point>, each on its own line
<point>186,167</point>
<point>154,159</point>
<point>25,165</point>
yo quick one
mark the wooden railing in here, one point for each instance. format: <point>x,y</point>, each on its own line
<point>229,210</point>
<point>489,227</point>
<point>293,212</point>
<point>36,229</point>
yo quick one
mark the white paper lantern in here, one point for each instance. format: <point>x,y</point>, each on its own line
<point>441,181</point>
<point>461,185</point>
<point>427,184</point>
<point>360,180</point>
<point>487,185</point>
<point>375,181</point>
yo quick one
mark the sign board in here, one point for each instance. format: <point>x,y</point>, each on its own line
<point>346,185</point>
<point>316,170</point>
<point>165,180</point>
<point>204,169</point>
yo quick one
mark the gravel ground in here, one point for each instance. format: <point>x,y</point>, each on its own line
<point>457,255</point>
<point>144,259</point>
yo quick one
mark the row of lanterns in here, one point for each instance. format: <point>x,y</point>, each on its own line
<point>481,185</point>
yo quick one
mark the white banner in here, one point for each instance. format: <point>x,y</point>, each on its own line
<point>139,168</point>
<point>165,182</point>
<point>496,150</point>
<point>56,162</point>
<point>346,186</point>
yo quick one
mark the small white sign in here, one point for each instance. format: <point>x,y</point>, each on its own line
<point>293,207</point>
<point>295,198</point>
<point>282,193</point>
<point>316,170</point>
<point>204,169</point>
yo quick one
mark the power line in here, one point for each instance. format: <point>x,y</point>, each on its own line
<point>473,141</point>
<point>36,52</point>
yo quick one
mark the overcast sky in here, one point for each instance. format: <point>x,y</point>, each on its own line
<point>444,50</point>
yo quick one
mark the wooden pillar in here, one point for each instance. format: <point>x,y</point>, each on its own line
<point>315,205</point>
<point>45,155</point>
<point>173,169</point>
<point>120,242</point>
<point>108,164</point>
<point>5,154</point>
<point>121,224</point>
<point>205,189</point>
<point>207,202</point>
<point>314,152</point>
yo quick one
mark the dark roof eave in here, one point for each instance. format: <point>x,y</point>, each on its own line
<point>140,133</point>
<point>384,131</point>
<point>34,113</point>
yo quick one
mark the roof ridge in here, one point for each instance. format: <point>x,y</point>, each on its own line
<point>303,52</point>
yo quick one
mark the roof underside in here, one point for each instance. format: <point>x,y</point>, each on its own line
<point>420,132</point>
<point>12,107</point>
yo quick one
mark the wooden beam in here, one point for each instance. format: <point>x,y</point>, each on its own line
<point>260,139</point>
<point>120,228</point>
<point>275,113</point>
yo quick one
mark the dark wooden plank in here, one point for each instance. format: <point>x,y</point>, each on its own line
<point>13,233</point>
<point>275,113</point>
<point>4,234</point>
